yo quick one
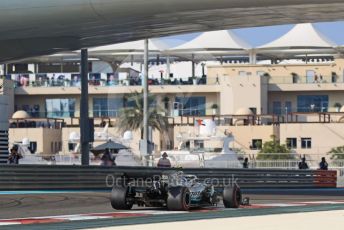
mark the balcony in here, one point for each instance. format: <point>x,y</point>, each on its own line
<point>303,83</point>
<point>25,86</point>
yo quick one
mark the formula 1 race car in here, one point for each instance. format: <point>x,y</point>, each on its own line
<point>177,192</point>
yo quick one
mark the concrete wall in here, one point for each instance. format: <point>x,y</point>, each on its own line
<point>48,140</point>
<point>324,136</point>
<point>239,92</point>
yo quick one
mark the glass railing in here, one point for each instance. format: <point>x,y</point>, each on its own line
<point>50,114</point>
<point>106,113</point>
<point>73,80</point>
<point>316,109</point>
<point>306,80</point>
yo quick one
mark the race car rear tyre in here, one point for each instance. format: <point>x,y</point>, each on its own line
<point>232,196</point>
<point>119,198</point>
<point>178,199</point>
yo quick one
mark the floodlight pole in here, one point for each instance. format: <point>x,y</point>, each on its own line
<point>84,117</point>
<point>144,150</point>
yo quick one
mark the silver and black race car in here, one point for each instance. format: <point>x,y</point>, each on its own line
<point>177,192</point>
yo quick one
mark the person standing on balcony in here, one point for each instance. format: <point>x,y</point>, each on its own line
<point>303,164</point>
<point>217,80</point>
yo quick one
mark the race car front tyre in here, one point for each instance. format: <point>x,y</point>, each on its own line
<point>178,199</point>
<point>119,198</point>
<point>232,196</point>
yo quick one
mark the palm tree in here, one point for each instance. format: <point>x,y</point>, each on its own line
<point>131,116</point>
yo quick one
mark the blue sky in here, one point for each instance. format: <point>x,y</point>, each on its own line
<point>261,35</point>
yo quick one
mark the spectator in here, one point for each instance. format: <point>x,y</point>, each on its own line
<point>217,80</point>
<point>323,164</point>
<point>107,159</point>
<point>164,162</point>
<point>14,156</point>
<point>303,164</point>
<point>245,164</point>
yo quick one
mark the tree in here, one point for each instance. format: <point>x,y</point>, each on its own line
<point>337,153</point>
<point>273,150</point>
<point>131,116</point>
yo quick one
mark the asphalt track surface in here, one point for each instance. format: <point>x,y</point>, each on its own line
<point>50,204</point>
<point>22,205</point>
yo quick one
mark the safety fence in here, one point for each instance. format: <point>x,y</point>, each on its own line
<point>33,177</point>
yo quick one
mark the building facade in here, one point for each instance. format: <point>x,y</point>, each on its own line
<point>300,104</point>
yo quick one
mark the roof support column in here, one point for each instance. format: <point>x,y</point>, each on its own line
<point>253,57</point>
<point>193,65</point>
<point>84,117</point>
<point>4,69</point>
<point>168,67</point>
<point>144,143</point>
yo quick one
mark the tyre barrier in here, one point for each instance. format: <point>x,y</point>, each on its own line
<point>33,177</point>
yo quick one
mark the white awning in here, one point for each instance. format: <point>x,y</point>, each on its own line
<point>154,45</point>
<point>301,36</point>
<point>214,41</point>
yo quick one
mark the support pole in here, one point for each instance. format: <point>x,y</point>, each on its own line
<point>84,117</point>
<point>252,57</point>
<point>144,149</point>
<point>4,69</point>
<point>36,68</point>
<point>193,65</point>
<point>168,67</point>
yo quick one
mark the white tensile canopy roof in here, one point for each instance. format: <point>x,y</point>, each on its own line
<point>154,45</point>
<point>223,40</point>
<point>301,36</point>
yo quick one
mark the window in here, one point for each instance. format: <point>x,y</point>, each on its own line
<point>256,144</point>
<point>107,107</point>
<point>306,143</point>
<point>310,76</point>
<point>312,103</point>
<point>56,108</point>
<point>56,150</point>
<point>60,146</point>
<point>276,107</point>
<point>191,106</point>
<point>199,144</point>
<point>291,143</point>
<point>242,73</point>
<point>260,73</point>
